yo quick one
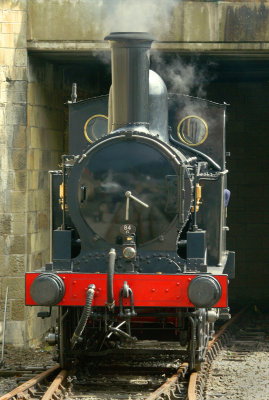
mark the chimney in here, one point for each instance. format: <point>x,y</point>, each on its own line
<point>130,79</point>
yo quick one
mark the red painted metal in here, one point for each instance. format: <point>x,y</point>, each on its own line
<point>149,290</point>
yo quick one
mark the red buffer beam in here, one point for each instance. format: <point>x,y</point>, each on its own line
<point>148,290</point>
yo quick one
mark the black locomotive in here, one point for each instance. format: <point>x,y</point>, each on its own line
<point>138,216</point>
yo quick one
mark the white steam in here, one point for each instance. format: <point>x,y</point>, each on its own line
<point>184,77</point>
<point>154,16</point>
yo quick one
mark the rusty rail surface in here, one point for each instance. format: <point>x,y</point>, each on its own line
<point>166,388</point>
<point>56,384</point>
<point>192,386</point>
<point>27,385</point>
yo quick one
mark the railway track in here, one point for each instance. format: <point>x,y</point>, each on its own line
<point>149,371</point>
<point>42,386</point>
<point>137,373</point>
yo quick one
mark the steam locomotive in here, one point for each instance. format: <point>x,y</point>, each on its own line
<point>138,216</point>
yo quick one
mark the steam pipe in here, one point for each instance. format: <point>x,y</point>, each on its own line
<point>84,317</point>
<point>110,275</point>
<point>130,78</point>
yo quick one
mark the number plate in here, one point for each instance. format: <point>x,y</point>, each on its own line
<point>127,229</point>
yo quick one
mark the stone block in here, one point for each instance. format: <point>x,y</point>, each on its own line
<point>14,5</point>
<point>2,115</point>
<point>7,56</point>
<point>17,310</point>
<point>33,180</point>
<point>46,159</point>
<point>16,333</point>
<point>19,224</point>
<point>16,114</point>
<point>16,73</point>
<point>31,160</point>
<point>15,287</point>
<point>43,180</point>
<point>55,140</point>
<point>38,242</point>
<point>19,137</point>
<point>4,161</point>
<point>42,221</point>
<point>17,264</point>
<point>18,159</point>
<point>36,261</point>
<point>31,93</point>
<point>243,22</point>
<point>17,201</point>
<point>55,159</point>
<point>35,331</point>
<point>5,224</point>
<point>20,178</point>
<point>42,95</point>
<point>13,40</point>
<point>40,117</point>
<point>11,16</point>
<point>8,313</point>
<point>11,27</point>
<point>38,138</point>
<point>2,245</point>
<point>16,244</point>
<point>3,199</point>
<point>4,265</point>
<point>32,200</point>
<point>38,200</point>
<point>38,155</point>
<point>203,16</point>
<point>32,222</point>
<point>20,58</point>
<point>7,179</point>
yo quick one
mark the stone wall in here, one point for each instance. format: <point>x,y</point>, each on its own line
<point>31,142</point>
<point>178,25</point>
<point>13,148</point>
<point>45,145</point>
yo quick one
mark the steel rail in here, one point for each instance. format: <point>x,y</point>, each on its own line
<point>192,386</point>
<point>48,395</point>
<point>27,385</point>
<point>165,388</point>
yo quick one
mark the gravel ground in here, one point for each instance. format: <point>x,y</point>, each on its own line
<point>239,380</point>
<point>241,372</point>
<point>16,358</point>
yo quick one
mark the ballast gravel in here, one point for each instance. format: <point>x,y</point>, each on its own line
<point>240,372</point>
<point>16,358</point>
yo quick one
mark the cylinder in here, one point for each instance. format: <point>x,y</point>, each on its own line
<point>130,78</point>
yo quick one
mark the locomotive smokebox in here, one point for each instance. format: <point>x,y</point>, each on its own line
<point>129,104</point>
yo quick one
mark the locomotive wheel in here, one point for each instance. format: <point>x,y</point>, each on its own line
<point>66,330</point>
<point>198,346</point>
